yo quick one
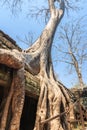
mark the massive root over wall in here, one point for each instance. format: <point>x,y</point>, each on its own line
<point>53,98</point>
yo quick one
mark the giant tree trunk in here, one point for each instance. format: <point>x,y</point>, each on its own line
<point>53,98</point>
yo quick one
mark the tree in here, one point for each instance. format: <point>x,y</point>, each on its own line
<point>53,98</point>
<point>74,50</point>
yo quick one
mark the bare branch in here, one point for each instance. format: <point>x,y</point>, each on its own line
<point>68,62</point>
<point>72,37</point>
<point>37,12</point>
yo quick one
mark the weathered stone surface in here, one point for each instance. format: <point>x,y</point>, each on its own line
<point>32,87</point>
<point>7,42</point>
<point>31,83</point>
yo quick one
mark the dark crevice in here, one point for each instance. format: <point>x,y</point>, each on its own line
<point>28,114</point>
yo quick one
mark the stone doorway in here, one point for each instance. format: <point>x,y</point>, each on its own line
<point>29,114</point>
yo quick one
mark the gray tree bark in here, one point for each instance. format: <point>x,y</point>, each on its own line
<point>53,98</point>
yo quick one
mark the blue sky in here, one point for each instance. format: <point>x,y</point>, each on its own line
<point>20,25</point>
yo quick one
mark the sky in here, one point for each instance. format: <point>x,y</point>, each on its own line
<point>19,26</point>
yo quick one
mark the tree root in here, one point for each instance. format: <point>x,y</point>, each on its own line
<point>15,100</point>
<point>49,105</point>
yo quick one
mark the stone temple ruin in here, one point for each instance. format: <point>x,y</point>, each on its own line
<point>32,87</point>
